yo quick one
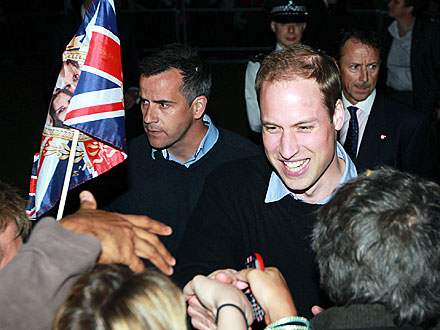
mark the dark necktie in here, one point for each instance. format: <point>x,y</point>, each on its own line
<point>351,141</point>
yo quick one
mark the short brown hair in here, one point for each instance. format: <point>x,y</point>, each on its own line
<point>12,208</point>
<point>302,62</point>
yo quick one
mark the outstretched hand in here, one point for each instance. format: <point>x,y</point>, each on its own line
<point>124,238</point>
<point>203,318</point>
<point>205,295</point>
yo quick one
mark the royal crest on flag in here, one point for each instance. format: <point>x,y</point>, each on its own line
<point>88,97</point>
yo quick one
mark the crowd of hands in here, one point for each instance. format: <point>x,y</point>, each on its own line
<point>205,294</point>
<point>125,239</point>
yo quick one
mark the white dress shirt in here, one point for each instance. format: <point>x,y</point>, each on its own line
<point>362,116</point>
<point>399,75</point>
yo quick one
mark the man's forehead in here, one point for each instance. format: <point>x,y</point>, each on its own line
<point>354,49</point>
<point>284,85</point>
<point>165,80</point>
<point>298,96</point>
<point>169,74</point>
<point>284,81</point>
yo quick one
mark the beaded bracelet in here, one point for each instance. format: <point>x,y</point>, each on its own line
<point>289,323</point>
<point>232,305</point>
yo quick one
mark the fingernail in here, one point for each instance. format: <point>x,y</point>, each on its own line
<point>84,196</point>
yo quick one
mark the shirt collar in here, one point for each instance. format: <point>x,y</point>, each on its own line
<point>277,189</point>
<point>364,105</point>
<point>278,47</point>
<point>207,143</point>
<point>394,31</point>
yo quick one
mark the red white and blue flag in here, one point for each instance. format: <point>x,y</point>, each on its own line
<point>88,96</point>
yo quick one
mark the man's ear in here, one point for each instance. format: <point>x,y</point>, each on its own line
<point>272,26</point>
<point>198,106</point>
<point>338,64</point>
<point>339,115</point>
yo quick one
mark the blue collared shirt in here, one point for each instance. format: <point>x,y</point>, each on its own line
<point>277,190</point>
<point>207,143</point>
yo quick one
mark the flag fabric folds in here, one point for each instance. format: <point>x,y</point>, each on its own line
<point>88,96</point>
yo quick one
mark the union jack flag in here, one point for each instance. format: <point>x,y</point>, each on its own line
<point>88,96</point>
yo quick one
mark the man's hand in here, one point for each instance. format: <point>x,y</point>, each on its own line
<point>271,292</point>
<point>206,294</point>
<point>124,238</point>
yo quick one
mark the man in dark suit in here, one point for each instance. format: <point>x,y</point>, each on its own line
<point>377,130</point>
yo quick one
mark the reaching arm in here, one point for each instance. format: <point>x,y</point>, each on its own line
<point>39,277</point>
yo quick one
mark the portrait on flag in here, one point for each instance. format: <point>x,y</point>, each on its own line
<point>64,88</point>
<point>88,97</point>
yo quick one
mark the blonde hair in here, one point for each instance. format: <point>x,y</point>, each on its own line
<point>110,297</point>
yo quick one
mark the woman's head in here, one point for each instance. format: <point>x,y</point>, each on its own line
<point>113,297</point>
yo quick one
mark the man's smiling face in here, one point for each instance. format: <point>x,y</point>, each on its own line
<point>298,134</point>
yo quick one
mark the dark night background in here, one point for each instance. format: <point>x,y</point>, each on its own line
<point>33,34</point>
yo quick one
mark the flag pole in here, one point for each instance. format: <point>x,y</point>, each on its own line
<point>68,174</point>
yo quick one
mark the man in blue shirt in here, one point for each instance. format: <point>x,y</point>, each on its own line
<point>268,204</point>
<point>166,167</point>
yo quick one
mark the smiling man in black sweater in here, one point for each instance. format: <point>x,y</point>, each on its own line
<point>267,204</point>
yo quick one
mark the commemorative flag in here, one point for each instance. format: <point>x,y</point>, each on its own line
<point>87,97</point>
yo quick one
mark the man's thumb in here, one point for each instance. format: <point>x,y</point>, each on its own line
<point>87,200</point>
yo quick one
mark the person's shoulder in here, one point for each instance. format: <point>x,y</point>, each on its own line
<point>240,179</point>
<point>138,156</point>
<point>235,142</point>
<point>138,145</point>
<point>44,224</point>
<point>428,21</point>
<point>401,113</point>
<point>141,139</point>
<point>48,228</point>
<point>249,166</point>
<point>258,58</point>
<point>426,27</point>
<point>243,168</point>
